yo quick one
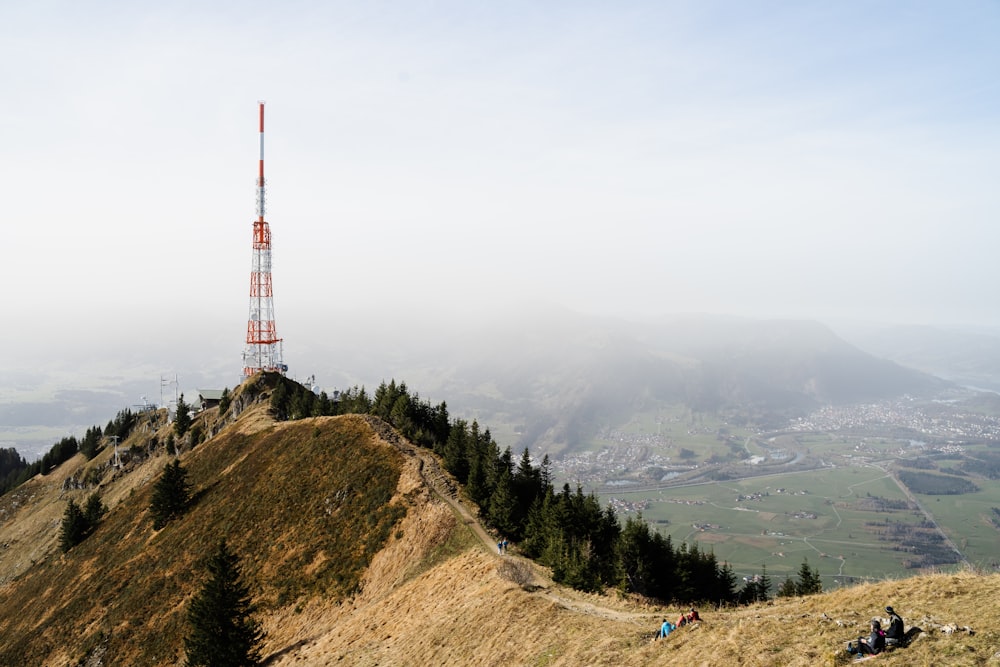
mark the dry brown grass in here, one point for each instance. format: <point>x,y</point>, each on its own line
<point>436,593</point>
<point>464,612</point>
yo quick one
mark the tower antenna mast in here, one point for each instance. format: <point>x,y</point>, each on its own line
<point>263,349</point>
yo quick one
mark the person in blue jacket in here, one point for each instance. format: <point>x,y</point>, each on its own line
<point>666,629</point>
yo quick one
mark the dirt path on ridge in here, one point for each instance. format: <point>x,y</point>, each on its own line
<point>442,484</point>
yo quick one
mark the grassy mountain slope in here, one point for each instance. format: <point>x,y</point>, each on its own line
<point>360,553</point>
<point>307,505</point>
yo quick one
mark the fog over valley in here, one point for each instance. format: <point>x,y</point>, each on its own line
<point>553,218</point>
<point>546,378</point>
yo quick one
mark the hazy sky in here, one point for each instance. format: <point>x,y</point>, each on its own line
<point>789,159</point>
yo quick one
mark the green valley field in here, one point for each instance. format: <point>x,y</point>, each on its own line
<point>865,492</point>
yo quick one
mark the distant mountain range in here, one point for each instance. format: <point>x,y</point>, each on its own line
<point>559,377</point>
<point>545,378</point>
<point>965,357</point>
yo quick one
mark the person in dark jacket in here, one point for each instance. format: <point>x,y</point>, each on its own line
<point>894,635</point>
<point>874,643</point>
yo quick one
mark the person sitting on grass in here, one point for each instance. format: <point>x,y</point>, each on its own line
<point>666,629</point>
<point>874,643</point>
<point>894,635</point>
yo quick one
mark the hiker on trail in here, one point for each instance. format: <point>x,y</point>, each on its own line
<point>666,629</point>
<point>505,543</point>
<point>894,635</point>
<point>874,643</point>
<point>500,547</point>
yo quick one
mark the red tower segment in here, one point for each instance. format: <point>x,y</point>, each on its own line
<point>263,347</point>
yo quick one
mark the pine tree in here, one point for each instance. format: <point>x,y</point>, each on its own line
<point>453,451</point>
<point>809,581</point>
<point>280,402</point>
<point>93,511</point>
<point>764,586</point>
<point>787,589</point>
<point>183,421</point>
<point>527,485</point>
<point>224,401</point>
<point>223,630</point>
<point>727,583</point>
<point>475,486</point>
<point>545,472</point>
<point>636,559</point>
<point>171,495</point>
<point>503,506</point>
<point>74,527</point>
<point>91,442</point>
<point>536,533</point>
<point>756,588</point>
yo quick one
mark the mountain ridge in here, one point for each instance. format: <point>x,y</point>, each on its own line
<point>525,369</point>
<point>433,591</point>
<point>561,378</point>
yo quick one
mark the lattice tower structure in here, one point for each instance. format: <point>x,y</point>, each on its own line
<point>263,347</point>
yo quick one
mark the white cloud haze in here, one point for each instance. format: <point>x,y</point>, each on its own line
<point>774,159</point>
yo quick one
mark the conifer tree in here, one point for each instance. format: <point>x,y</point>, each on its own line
<point>91,441</point>
<point>503,506</point>
<point>536,526</point>
<point>12,467</point>
<point>171,495</point>
<point>224,401</point>
<point>756,588</point>
<point>475,486</point>
<point>400,416</point>
<point>280,402</point>
<point>78,523</point>
<point>354,401</point>
<point>93,511</point>
<point>787,589</point>
<point>454,451</point>
<point>727,583</point>
<point>809,581</point>
<point>74,527</point>
<point>223,632</point>
<point>183,421</point>
<point>764,584</point>
<point>636,557</point>
<point>439,423</point>
<point>545,472</point>
<point>527,485</point>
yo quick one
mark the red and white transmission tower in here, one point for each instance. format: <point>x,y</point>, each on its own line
<point>263,350</point>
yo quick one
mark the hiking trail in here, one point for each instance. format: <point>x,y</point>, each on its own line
<point>444,486</point>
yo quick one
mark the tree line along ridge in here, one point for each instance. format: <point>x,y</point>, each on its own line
<point>586,546</point>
